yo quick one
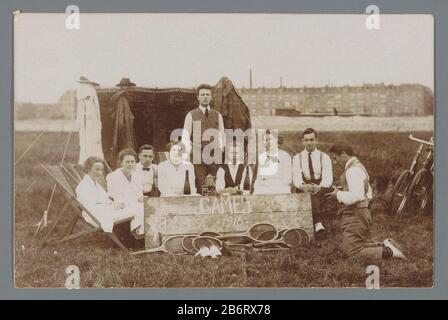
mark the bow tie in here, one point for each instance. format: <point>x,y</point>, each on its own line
<point>146,169</point>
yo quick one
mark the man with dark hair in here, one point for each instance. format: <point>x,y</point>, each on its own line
<point>197,122</point>
<point>147,170</point>
<point>354,207</point>
<point>312,171</point>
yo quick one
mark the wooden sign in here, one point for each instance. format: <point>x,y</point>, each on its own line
<point>168,216</point>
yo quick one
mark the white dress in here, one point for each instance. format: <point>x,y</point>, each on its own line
<point>274,175</point>
<point>88,121</point>
<point>96,200</point>
<point>171,179</point>
<point>128,192</point>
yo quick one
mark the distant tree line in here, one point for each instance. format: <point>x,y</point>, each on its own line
<point>24,111</point>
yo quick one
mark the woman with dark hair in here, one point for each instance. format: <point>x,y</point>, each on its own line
<point>92,196</point>
<point>125,187</point>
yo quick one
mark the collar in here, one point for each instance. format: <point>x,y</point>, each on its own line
<point>312,152</point>
<point>90,179</point>
<point>139,164</point>
<point>230,164</point>
<point>350,161</point>
<point>181,164</point>
<point>203,108</point>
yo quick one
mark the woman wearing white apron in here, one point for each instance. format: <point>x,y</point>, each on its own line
<point>126,188</point>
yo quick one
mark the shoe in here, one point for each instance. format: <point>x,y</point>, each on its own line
<point>320,232</point>
<point>394,248</point>
<point>319,226</point>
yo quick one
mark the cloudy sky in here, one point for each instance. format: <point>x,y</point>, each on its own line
<point>183,50</point>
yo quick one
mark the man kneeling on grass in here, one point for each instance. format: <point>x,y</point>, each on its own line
<point>354,208</point>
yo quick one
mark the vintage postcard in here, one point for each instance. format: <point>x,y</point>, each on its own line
<point>223,150</point>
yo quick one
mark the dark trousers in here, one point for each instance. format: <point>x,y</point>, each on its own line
<point>316,200</point>
<point>356,226</point>
<point>201,171</point>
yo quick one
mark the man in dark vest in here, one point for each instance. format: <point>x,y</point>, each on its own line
<point>233,177</point>
<point>201,127</point>
<point>354,208</point>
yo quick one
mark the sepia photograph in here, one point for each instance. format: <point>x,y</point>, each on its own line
<point>224,150</point>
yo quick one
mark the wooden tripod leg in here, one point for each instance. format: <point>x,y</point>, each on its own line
<point>115,239</point>
<point>55,223</point>
<point>70,227</point>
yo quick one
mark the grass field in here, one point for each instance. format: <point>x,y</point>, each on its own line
<point>102,264</point>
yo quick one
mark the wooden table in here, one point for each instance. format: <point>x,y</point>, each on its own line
<point>169,216</point>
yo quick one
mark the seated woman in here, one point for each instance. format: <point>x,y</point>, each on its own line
<point>126,188</point>
<point>172,173</point>
<point>274,169</point>
<point>92,196</point>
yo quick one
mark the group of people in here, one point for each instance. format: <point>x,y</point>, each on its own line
<point>309,171</point>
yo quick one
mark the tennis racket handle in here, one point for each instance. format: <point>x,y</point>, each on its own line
<point>261,244</point>
<point>147,251</point>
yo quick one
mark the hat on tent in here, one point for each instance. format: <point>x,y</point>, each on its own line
<point>83,79</point>
<point>125,82</point>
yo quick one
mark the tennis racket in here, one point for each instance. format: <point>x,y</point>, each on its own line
<point>187,244</point>
<point>253,233</point>
<point>290,237</point>
<point>171,245</point>
<point>209,234</point>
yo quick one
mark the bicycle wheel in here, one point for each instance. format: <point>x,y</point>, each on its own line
<point>399,191</point>
<point>420,191</point>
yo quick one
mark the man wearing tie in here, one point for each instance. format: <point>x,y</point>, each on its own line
<point>207,118</point>
<point>146,169</point>
<point>312,171</point>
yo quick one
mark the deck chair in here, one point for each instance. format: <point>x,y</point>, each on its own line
<point>67,182</point>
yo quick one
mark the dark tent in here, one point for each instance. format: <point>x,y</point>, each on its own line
<point>156,112</point>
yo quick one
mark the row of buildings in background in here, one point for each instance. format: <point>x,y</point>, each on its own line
<point>375,100</point>
<point>370,99</point>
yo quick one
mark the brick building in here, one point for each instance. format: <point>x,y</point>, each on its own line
<point>372,99</point>
<point>67,104</point>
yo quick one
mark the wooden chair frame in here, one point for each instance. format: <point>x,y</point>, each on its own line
<point>62,175</point>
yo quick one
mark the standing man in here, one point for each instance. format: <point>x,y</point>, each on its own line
<point>356,219</point>
<point>206,118</point>
<point>274,174</point>
<point>147,170</point>
<point>312,171</point>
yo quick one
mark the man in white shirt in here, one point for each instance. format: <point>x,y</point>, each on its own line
<point>147,170</point>
<point>207,118</point>
<point>312,171</point>
<point>232,176</point>
<point>356,219</point>
<point>274,174</point>
<point>172,173</point>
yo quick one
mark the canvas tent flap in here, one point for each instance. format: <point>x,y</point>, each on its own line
<point>157,112</point>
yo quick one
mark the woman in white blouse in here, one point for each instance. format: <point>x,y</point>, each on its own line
<point>92,196</point>
<point>274,174</point>
<point>125,187</point>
